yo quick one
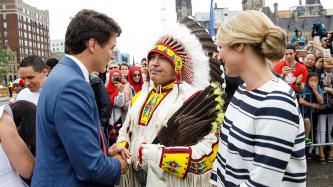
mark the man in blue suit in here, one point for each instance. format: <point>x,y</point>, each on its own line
<point>71,149</point>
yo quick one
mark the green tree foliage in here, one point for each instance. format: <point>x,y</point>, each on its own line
<point>5,58</point>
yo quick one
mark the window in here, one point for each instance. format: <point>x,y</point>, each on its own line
<point>4,16</point>
<point>6,42</point>
<point>5,25</point>
<point>5,34</point>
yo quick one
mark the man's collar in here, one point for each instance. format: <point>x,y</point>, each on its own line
<point>166,87</point>
<point>82,67</point>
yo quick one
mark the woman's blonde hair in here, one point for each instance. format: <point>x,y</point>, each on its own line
<point>256,30</point>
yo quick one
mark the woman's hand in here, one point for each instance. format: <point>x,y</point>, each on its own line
<point>120,87</point>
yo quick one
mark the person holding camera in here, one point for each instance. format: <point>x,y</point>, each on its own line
<point>120,95</point>
<point>291,71</point>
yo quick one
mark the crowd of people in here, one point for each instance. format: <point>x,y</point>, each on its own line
<point>308,70</point>
<point>88,121</point>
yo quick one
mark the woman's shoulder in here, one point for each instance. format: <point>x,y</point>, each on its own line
<point>5,109</point>
<point>280,88</point>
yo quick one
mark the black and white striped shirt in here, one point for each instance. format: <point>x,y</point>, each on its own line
<point>262,140</point>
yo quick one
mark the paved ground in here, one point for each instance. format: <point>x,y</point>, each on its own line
<point>319,175</point>
<point>4,100</point>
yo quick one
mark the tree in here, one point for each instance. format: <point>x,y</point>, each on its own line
<point>5,58</point>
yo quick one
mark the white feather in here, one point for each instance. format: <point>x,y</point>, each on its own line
<point>195,52</point>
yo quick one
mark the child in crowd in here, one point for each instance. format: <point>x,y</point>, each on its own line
<point>311,99</point>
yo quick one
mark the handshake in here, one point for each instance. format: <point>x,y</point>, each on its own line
<point>122,154</point>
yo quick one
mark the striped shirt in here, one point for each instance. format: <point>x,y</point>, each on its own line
<point>262,140</point>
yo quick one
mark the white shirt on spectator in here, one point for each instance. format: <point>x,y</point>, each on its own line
<point>27,95</point>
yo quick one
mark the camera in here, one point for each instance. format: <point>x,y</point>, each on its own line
<point>116,79</point>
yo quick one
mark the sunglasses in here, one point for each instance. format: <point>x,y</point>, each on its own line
<point>113,67</point>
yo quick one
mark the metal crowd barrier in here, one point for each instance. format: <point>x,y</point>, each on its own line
<point>328,132</point>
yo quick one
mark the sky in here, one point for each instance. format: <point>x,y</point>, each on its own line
<point>140,20</point>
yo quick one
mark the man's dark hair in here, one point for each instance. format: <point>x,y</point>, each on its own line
<point>290,46</point>
<point>24,113</point>
<point>89,24</point>
<point>52,62</point>
<point>35,61</point>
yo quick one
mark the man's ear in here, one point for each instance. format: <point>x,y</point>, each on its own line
<point>45,71</point>
<point>91,45</point>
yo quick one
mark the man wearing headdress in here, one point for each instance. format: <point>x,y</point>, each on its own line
<point>179,71</point>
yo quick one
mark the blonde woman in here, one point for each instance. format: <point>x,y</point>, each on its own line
<point>262,140</point>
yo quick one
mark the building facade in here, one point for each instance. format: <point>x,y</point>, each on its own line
<point>24,29</point>
<point>183,8</point>
<point>57,49</point>
<point>57,46</point>
<point>301,17</point>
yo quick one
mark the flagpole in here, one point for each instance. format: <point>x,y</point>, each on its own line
<point>211,21</point>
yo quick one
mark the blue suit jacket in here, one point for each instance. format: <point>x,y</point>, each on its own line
<point>68,140</point>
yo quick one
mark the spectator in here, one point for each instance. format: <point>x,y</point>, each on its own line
<point>318,29</point>
<point>111,66</point>
<point>144,69</point>
<point>10,88</point>
<point>103,75</point>
<point>298,39</point>
<point>120,95</point>
<point>124,68</point>
<point>15,158</point>
<point>24,115</point>
<point>102,100</point>
<point>330,41</point>
<point>326,113</point>
<point>51,63</point>
<point>135,78</point>
<point>291,71</point>
<point>18,85</point>
<point>309,62</point>
<point>325,43</point>
<point>33,71</point>
<point>311,98</point>
<point>319,65</point>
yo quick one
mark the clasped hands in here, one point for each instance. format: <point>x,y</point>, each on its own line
<point>120,153</point>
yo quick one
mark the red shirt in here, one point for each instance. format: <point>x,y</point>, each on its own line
<point>290,78</point>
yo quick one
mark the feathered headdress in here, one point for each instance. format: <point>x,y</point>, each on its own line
<point>202,113</point>
<point>186,54</point>
<point>208,45</point>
